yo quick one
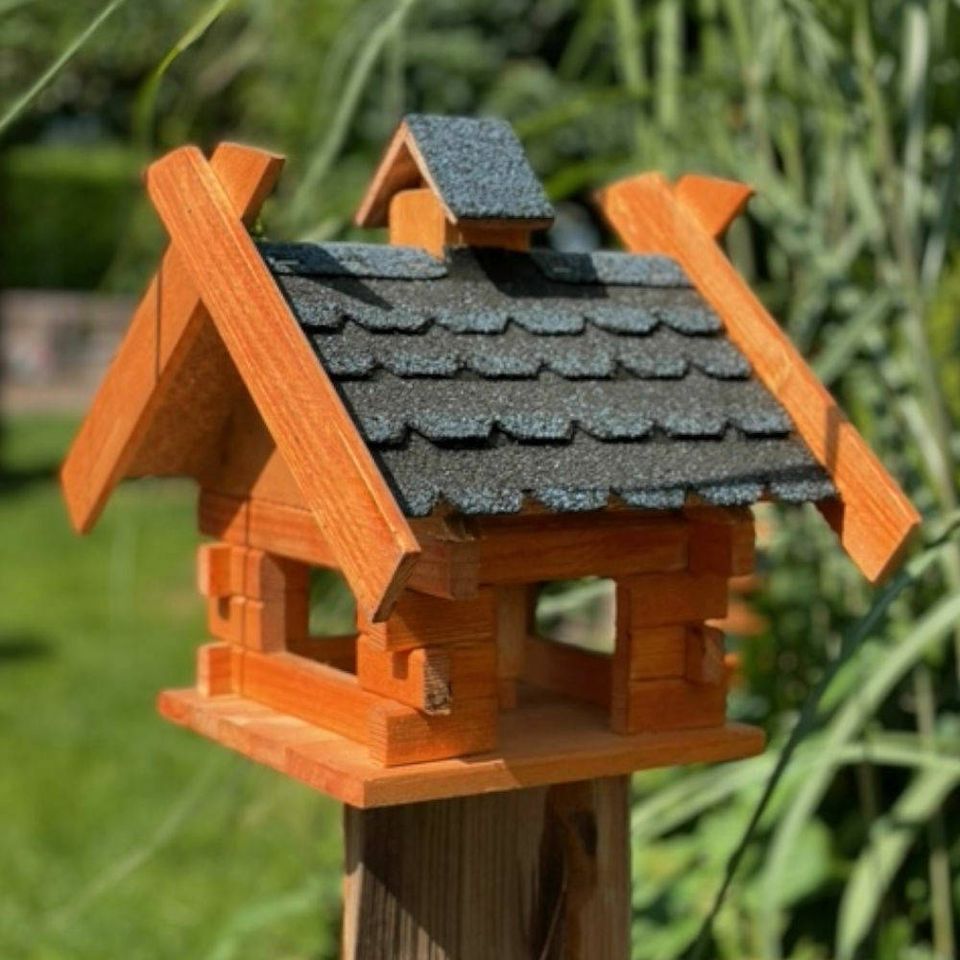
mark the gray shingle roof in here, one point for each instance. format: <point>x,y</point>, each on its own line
<point>479,168</point>
<point>568,379</point>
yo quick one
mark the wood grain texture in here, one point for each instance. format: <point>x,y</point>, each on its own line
<point>515,608</point>
<point>527,549</point>
<point>541,873</point>
<point>581,675</point>
<point>164,325</point>
<point>218,670</point>
<point>670,704</point>
<point>546,741</point>
<point>419,678</point>
<point>653,600</point>
<point>314,433</point>
<point>722,541</point>
<point>419,620</point>
<point>418,219</point>
<point>391,732</point>
<point>874,519</point>
<point>716,203</point>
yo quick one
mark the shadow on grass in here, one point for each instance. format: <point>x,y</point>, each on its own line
<point>15,479</point>
<point>16,647</point>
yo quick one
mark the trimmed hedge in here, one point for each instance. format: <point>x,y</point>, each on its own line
<point>65,211</point>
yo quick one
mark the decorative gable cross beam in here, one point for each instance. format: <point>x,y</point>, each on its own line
<point>167,320</point>
<point>313,431</point>
<point>213,269</point>
<point>872,517</point>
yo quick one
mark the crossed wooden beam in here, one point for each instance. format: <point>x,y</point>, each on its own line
<point>212,272</point>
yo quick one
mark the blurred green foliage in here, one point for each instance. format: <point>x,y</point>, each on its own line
<point>844,116</point>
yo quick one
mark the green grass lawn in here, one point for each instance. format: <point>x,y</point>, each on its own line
<point>120,835</point>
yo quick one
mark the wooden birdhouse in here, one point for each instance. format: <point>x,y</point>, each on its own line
<point>453,419</point>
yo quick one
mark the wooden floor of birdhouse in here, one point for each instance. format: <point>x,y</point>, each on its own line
<point>543,742</point>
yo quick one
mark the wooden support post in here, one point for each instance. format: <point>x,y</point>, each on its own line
<point>541,872</point>
<point>514,624</point>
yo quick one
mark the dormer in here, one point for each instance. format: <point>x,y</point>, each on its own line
<point>455,182</point>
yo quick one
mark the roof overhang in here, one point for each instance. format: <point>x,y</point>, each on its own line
<point>872,516</point>
<point>213,273</point>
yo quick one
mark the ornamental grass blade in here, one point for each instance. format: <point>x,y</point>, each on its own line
<point>147,98</point>
<point>21,103</point>
<point>890,841</point>
<point>850,717</point>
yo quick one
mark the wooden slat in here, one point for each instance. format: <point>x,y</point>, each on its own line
<point>534,548</point>
<point>217,669</point>
<point>714,202</point>
<point>392,732</point>
<point>396,171</point>
<point>874,519</point>
<point>550,741</point>
<point>722,541</point>
<point>652,600</point>
<point>568,671</point>
<point>315,692</point>
<point>226,618</point>
<point>669,704</point>
<point>656,652</point>
<point>399,735</point>
<point>515,615</point>
<point>219,570</point>
<point>419,620</point>
<point>314,433</point>
<point>165,323</point>
<point>417,219</point>
<point>419,678</point>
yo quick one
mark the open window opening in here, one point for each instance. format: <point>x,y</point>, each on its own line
<point>568,641</point>
<point>331,636</point>
<point>578,613</point>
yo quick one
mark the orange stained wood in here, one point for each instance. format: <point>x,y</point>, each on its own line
<point>419,620</point>
<point>417,219</point>
<point>218,669</point>
<point>668,704</point>
<point>653,600</point>
<point>392,732</point>
<point>419,678</point>
<point>549,741</point>
<point>716,203</point>
<point>568,671</point>
<point>164,326</point>
<point>873,519</point>
<point>317,439</point>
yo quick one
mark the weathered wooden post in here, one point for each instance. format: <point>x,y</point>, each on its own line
<point>452,420</point>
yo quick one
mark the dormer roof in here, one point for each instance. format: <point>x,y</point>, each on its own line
<point>476,167</point>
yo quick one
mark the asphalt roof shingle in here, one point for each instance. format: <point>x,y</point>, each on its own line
<point>479,168</point>
<point>495,377</point>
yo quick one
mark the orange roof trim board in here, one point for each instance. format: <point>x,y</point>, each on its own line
<point>313,431</point>
<point>873,518</point>
<point>167,320</point>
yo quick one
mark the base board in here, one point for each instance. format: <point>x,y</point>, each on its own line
<point>544,742</point>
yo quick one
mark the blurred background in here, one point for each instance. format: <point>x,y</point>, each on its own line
<point>122,837</point>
